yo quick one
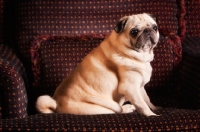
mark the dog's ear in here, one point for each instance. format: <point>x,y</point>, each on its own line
<point>154,17</point>
<point>121,24</point>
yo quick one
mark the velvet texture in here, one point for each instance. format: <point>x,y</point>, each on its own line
<point>170,120</point>
<point>13,82</point>
<point>49,38</point>
<point>53,57</point>
<point>190,73</point>
<point>192,18</point>
<point>75,18</point>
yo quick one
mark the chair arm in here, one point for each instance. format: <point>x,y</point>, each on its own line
<point>12,85</point>
<point>190,73</point>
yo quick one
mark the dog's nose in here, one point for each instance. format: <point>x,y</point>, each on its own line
<point>147,30</point>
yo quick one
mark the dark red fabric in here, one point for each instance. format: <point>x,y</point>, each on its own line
<point>76,27</point>
<point>76,18</point>
<point>170,119</point>
<point>53,57</point>
<point>13,85</point>
<point>181,19</point>
<point>192,18</point>
<point>92,18</point>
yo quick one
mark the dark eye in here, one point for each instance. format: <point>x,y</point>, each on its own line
<point>134,32</point>
<point>155,28</point>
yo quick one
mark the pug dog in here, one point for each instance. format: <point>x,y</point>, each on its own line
<point>115,71</point>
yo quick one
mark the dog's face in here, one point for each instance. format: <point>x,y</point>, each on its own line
<point>140,32</point>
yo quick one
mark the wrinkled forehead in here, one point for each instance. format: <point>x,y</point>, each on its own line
<point>140,20</point>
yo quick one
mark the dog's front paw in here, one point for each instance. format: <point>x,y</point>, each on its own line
<point>128,108</point>
<point>148,113</point>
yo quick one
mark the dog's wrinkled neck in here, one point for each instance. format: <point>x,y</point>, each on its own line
<point>133,53</point>
<point>124,51</point>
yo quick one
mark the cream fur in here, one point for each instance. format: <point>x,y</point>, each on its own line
<point>107,76</point>
<point>45,104</point>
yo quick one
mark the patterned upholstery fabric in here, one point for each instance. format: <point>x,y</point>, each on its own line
<point>170,119</point>
<point>192,18</point>
<point>12,86</point>
<point>181,19</point>
<point>190,73</point>
<point>33,18</point>
<point>54,36</point>
<point>75,18</point>
<point>53,57</point>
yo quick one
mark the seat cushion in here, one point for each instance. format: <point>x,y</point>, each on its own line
<point>170,119</point>
<point>53,57</point>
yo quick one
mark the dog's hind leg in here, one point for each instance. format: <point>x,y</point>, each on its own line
<point>128,108</point>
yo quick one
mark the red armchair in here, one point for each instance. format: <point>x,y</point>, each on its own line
<point>43,40</point>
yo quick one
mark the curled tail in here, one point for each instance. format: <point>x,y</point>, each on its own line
<point>46,104</point>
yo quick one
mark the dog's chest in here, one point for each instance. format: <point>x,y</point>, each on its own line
<point>146,72</point>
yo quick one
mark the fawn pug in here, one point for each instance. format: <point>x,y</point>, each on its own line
<point>115,71</point>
